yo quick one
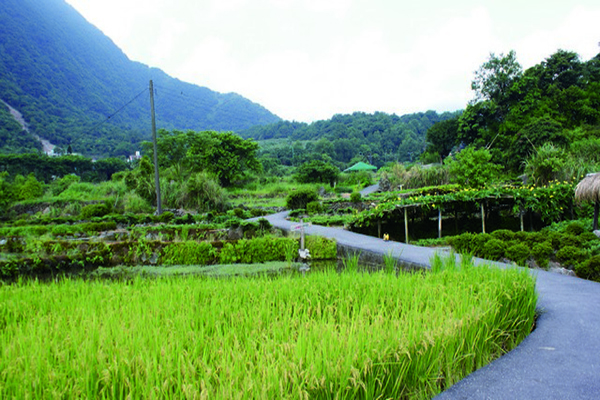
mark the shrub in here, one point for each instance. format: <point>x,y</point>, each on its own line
<point>355,197</point>
<point>570,240</point>
<point>300,198</point>
<point>241,214</point>
<point>589,269</point>
<point>94,210</point>
<point>166,217</point>
<point>589,238</point>
<point>188,253</point>
<point>462,243</point>
<point>60,185</point>
<point>321,248</point>
<point>249,228</point>
<point>258,250</point>
<point>575,228</point>
<point>258,212</point>
<point>134,203</point>
<point>493,249</point>
<point>264,224</point>
<point>297,213</point>
<point>472,167</point>
<point>316,171</point>
<point>203,192</point>
<point>503,234</point>
<point>478,243</point>
<point>534,238</point>
<point>541,253</point>
<point>314,207</point>
<point>555,239</point>
<point>519,253</point>
<point>570,255</point>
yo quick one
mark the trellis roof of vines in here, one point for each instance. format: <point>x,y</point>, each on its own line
<point>551,201</point>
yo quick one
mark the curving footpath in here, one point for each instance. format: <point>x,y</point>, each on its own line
<point>560,359</point>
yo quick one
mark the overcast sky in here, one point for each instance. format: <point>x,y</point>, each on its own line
<point>307,60</point>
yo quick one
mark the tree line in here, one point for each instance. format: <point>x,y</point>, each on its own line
<point>517,115</point>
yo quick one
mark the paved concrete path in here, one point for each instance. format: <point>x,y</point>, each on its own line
<point>370,189</point>
<point>560,359</point>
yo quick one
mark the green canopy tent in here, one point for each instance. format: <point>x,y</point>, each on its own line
<point>361,166</point>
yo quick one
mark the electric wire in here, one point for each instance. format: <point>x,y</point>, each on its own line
<point>116,112</point>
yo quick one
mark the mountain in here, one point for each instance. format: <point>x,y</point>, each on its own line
<point>75,87</point>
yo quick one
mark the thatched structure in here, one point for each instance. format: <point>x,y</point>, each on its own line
<point>589,190</point>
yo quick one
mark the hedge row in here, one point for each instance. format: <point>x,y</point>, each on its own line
<point>574,248</point>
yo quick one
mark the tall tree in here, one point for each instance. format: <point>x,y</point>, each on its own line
<point>496,76</point>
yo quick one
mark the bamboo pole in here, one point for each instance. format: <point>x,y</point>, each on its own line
<point>379,229</point>
<point>406,225</point>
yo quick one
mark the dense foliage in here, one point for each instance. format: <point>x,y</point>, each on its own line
<point>47,168</point>
<point>571,250</point>
<point>515,112</point>
<point>66,78</point>
<point>375,138</point>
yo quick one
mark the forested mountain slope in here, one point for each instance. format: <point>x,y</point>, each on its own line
<point>66,77</point>
<point>377,138</point>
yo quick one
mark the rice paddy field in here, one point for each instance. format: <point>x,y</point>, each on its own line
<point>324,335</point>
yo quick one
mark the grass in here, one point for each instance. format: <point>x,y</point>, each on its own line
<point>324,335</point>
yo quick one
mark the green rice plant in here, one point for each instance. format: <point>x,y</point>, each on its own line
<point>324,335</point>
<point>351,262</point>
<point>390,263</point>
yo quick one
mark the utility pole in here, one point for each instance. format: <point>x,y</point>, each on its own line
<point>156,176</point>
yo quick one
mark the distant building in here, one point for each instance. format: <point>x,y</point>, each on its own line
<point>134,157</point>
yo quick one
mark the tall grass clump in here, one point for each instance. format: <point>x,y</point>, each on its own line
<point>390,263</point>
<point>351,262</point>
<point>324,335</point>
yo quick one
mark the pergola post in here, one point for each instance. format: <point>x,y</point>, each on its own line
<point>521,217</point>
<point>440,222</point>
<point>406,225</point>
<point>482,218</point>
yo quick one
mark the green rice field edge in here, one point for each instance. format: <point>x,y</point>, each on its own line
<point>324,335</point>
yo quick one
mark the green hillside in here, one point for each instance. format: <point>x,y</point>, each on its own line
<point>67,78</point>
<point>377,138</point>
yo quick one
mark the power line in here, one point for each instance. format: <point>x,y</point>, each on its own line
<point>116,112</point>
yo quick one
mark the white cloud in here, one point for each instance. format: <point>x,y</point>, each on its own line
<point>310,59</point>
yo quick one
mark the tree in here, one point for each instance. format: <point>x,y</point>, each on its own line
<point>229,157</point>
<point>224,154</point>
<point>495,77</point>
<point>317,171</point>
<point>472,167</point>
<point>442,137</point>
